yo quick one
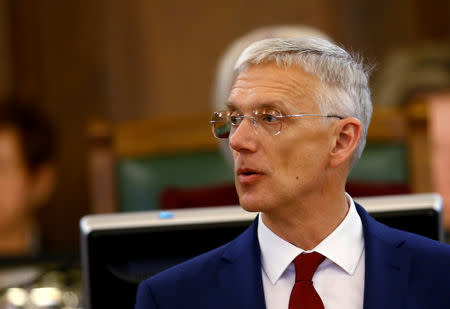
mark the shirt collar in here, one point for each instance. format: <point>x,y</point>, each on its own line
<point>343,246</point>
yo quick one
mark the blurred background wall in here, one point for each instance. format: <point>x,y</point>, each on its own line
<point>122,60</point>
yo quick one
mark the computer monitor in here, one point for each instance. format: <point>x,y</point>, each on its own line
<point>120,250</point>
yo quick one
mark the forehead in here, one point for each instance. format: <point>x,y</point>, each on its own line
<point>268,84</point>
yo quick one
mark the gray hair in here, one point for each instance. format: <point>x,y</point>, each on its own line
<point>224,77</point>
<point>344,77</point>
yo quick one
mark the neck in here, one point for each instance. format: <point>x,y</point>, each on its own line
<point>307,223</point>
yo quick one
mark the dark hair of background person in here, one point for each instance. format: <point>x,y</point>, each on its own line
<point>36,132</point>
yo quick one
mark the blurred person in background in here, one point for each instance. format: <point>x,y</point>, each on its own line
<point>27,148</point>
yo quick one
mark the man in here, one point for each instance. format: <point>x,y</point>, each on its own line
<point>297,119</point>
<point>26,176</point>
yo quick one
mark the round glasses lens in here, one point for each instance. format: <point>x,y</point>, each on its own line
<point>269,119</point>
<point>220,126</point>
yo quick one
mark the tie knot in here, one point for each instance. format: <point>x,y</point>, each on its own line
<point>306,265</point>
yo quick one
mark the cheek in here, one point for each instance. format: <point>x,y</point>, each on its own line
<point>303,158</point>
<point>13,196</point>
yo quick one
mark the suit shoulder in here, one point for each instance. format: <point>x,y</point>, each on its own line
<point>413,242</point>
<point>191,267</point>
<point>187,278</point>
<point>423,247</point>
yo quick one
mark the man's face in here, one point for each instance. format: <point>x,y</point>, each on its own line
<point>275,172</point>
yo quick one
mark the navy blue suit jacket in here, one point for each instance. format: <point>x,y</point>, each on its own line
<point>403,270</point>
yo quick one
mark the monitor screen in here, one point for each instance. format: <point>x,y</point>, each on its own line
<point>121,250</point>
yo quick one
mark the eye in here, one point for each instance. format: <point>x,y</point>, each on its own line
<point>235,118</point>
<point>269,118</point>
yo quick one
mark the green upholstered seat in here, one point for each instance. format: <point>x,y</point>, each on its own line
<point>140,181</point>
<point>384,163</point>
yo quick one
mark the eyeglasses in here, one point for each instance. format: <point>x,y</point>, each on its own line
<point>225,123</point>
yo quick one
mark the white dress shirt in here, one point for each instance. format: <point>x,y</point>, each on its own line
<point>339,280</point>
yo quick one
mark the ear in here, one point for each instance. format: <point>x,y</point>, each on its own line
<point>348,133</point>
<point>43,184</point>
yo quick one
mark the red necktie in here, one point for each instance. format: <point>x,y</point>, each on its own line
<point>304,295</point>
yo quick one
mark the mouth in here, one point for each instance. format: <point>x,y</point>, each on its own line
<point>248,175</point>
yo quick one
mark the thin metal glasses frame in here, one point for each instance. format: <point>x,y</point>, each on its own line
<point>254,121</point>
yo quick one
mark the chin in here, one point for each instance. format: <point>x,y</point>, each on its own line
<point>250,208</point>
<point>251,204</point>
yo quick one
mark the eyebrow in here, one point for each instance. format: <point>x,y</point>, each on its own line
<point>230,105</point>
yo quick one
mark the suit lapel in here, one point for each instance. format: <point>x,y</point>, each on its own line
<point>240,275</point>
<point>387,265</point>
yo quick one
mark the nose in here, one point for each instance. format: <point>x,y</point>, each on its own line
<point>244,137</point>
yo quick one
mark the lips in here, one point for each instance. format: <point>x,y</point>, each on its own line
<point>248,175</point>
